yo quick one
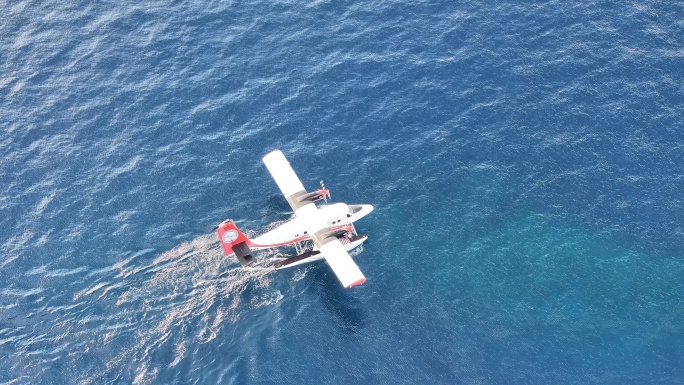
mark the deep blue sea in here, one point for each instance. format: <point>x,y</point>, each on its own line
<point>525,161</point>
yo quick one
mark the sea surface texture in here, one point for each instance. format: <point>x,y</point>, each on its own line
<point>525,161</point>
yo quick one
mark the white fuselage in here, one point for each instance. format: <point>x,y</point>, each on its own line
<point>337,215</point>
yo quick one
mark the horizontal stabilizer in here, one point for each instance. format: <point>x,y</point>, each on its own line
<point>235,242</point>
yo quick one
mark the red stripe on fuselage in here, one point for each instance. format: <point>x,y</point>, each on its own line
<point>290,242</point>
<point>253,245</point>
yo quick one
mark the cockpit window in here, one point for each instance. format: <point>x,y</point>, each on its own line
<point>353,209</point>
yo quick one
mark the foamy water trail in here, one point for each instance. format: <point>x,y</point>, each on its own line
<point>182,297</point>
<point>130,319</point>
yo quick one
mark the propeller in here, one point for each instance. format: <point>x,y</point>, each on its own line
<point>327,196</point>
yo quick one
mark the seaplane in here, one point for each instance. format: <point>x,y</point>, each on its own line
<point>317,231</point>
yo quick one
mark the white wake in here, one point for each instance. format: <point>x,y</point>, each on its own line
<point>184,296</point>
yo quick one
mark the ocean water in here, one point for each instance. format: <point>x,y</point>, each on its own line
<point>525,160</point>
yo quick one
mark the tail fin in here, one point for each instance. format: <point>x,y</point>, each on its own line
<point>235,242</point>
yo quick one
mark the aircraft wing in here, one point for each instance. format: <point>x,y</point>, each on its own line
<point>330,247</point>
<point>342,264</point>
<point>285,178</point>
